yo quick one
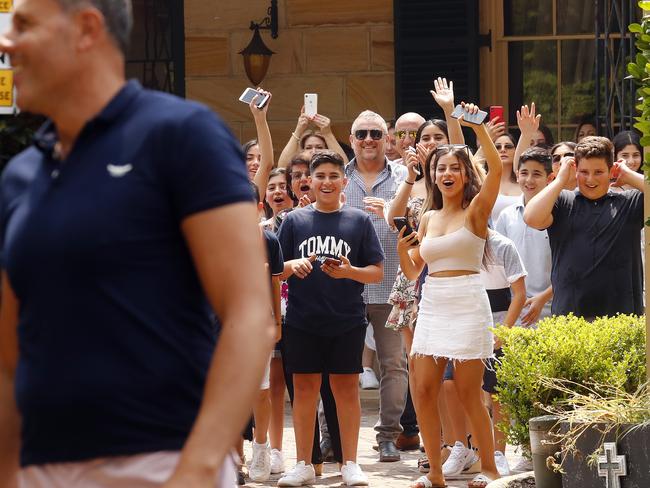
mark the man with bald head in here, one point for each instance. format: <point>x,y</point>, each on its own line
<point>406,127</point>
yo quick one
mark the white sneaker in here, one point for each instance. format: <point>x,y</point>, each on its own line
<point>461,458</point>
<point>302,474</point>
<point>260,467</point>
<point>368,379</point>
<point>502,463</point>
<point>352,475</point>
<point>277,461</point>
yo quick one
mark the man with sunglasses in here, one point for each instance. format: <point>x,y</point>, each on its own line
<point>371,174</point>
<point>406,128</point>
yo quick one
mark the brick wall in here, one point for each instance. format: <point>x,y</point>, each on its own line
<point>340,49</point>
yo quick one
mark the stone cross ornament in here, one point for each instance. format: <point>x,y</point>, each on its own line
<point>611,466</point>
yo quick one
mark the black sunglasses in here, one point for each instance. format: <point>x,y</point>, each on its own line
<point>375,134</point>
<point>558,157</point>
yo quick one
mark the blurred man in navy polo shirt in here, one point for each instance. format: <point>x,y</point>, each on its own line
<point>134,221</point>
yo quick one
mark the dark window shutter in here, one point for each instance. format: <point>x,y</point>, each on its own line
<point>435,38</point>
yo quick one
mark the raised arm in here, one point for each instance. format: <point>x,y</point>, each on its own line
<point>324,127</point>
<point>538,213</point>
<point>443,94</point>
<point>293,145</point>
<point>481,206</point>
<point>263,140</point>
<point>233,379</point>
<point>9,418</point>
<point>528,124</point>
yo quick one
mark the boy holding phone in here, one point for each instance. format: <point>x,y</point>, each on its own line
<point>325,324</point>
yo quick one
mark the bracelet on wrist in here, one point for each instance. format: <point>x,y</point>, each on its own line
<point>293,134</point>
<point>409,182</point>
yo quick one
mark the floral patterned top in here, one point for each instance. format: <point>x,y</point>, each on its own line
<point>403,295</point>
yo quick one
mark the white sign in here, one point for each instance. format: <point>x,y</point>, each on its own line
<point>7,91</point>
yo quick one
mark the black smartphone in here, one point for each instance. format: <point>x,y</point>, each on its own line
<point>403,222</point>
<point>476,118</point>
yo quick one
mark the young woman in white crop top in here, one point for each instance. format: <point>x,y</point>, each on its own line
<point>454,317</point>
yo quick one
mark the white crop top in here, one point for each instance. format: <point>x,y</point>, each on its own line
<point>458,250</point>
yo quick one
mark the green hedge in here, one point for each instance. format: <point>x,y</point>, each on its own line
<point>610,350</point>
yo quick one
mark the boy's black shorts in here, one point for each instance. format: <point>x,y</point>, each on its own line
<point>307,353</point>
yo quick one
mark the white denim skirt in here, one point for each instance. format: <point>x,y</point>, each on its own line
<point>454,319</point>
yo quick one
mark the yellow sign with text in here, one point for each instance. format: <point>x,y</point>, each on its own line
<point>6,88</point>
<point>6,6</point>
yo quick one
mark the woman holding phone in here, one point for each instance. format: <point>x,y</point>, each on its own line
<point>454,319</point>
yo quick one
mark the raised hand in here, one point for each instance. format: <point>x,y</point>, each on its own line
<point>495,129</point>
<point>260,112</point>
<point>443,94</point>
<point>527,121</point>
<point>322,122</point>
<point>303,122</point>
<point>468,108</point>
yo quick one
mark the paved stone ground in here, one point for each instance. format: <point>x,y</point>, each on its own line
<point>380,475</point>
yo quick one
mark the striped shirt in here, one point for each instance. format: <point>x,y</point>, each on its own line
<point>384,187</point>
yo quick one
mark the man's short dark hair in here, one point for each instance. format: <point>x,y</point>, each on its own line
<point>595,147</point>
<point>118,16</point>
<point>324,157</point>
<point>539,154</point>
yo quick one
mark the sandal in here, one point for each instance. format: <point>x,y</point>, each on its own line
<point>479,481</point>
<point>424,482</point>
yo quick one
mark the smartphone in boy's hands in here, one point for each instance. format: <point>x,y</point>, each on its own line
<point>332,261</point>
<point>401,222</point>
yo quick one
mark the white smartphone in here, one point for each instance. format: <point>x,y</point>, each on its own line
<point>249,94</point>
<point>311,104</point>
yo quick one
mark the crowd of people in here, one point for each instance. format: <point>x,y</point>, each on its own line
<point>147,272</point>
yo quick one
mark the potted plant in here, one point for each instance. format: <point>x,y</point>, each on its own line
<point>608,351</point>
<point>604,433</point>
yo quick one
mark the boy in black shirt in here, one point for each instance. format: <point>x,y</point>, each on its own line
<point>594,233</point>
<point>331,251</point>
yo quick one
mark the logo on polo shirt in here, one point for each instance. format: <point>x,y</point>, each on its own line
<point>118,171</point>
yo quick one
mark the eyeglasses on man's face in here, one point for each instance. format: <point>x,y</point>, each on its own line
<point>362,134</point>
<point>296,175</point>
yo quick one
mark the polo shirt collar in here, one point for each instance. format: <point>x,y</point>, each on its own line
<point>46,136</point>
<point>352,166</point>
<point>597,200</point>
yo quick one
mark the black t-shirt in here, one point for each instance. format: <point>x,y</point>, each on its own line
<point>320,304</point>
<point>596,252</point>
<point>273,253</point>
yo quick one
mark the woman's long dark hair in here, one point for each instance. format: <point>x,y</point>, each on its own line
<point>287,178</point>
<point>434,196</point>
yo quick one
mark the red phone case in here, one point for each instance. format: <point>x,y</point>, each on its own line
<point>496,112</point>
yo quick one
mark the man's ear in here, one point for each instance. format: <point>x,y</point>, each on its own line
<point>91,26</point>
<point>351,139</point>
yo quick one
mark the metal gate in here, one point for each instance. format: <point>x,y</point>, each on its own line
<point>156,55</point>
<point>615,103</point>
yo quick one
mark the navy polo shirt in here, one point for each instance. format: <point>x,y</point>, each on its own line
<point>115,333</point>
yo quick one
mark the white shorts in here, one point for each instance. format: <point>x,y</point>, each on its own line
<point>150,470</point>
<point>454,319</point>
